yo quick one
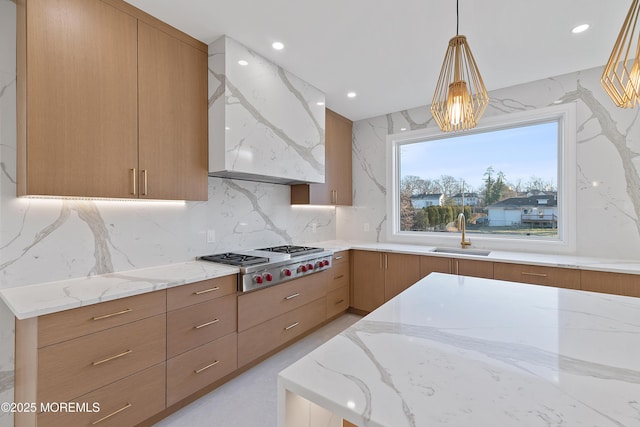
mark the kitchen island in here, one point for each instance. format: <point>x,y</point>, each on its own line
<point>461,351</point>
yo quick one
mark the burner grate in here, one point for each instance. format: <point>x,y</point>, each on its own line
<point>231,258</point>
<point>293,250</point>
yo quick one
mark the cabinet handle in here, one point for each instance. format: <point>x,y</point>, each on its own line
<point>338,277</point>
<point>338,257</point>
<point>133,181</point>
<point>386,261</point>
<point>524,273</point>
<point>108,359</point>
<point>127,406</point>
<point>144,182</point>
<point>293,325</point>
<point>106,316</point>
<point>206,324</point>
<point>204,368</point>
<point>457,267</point>
<point>339,302</point>
<point>217,288</point>
<point>292,296</point>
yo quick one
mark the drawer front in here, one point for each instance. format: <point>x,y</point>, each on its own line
<point>337,301</point>
<point>610,283</point>
<point>259,306</point>
<point>196,369</point>
<point>124,403</point>
<point>198,324</point>
<point>65,325</point>
<point>537,275</point>
<point>261,339</point>
<point>79,366</point>
<point>338,276</point>
<point>341,257</point>
<point>194,293</point>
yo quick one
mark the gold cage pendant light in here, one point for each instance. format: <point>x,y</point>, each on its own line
<point>460,97</point>
<point>621,76</point>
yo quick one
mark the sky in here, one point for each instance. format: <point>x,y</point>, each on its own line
<point>519,153</point>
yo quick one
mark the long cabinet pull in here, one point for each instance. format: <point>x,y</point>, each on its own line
<point>206,324</point>
<point>339,302</point>
<point>338,257</point>
<point>204,368</point>
<point>204,291</point>
<point>145,190</point>
<point>127,406</point>
<point>457,267</point>
<point>116,356</point>
<point>118,313</point>
<point>292,296</point>
<point>524,273</point>
<point>386,261</point>
<point>133,181</point>
<point>293,325</point>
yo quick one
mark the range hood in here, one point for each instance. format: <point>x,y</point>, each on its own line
<point>265,124</point>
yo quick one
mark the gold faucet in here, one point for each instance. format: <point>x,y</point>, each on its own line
<point>461,226</point>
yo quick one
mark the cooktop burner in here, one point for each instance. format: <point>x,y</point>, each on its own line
<point>231,258</point>
<point>293,250</point>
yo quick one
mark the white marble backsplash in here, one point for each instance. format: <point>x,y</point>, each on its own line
<point>608,182</point>
<point>263,120</point>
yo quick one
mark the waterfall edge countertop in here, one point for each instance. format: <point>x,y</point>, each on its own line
<point>462,351</point>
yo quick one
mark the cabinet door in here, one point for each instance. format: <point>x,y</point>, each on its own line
<point>538,275</point>
<point>610,283</point>
<point>469,267</point>
<point>172,89</point>
<point>368,280</point>
<point>433,264</point>
<point>401,271</point>
<point>79,136</point>
<point>338,157</point>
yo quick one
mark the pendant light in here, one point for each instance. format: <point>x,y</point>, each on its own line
<point>621,76</point>
<point>460,97</point>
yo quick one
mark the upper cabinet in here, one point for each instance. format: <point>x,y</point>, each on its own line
<point>265,123</point>
<point>337,187</point>
<point>111,103</point>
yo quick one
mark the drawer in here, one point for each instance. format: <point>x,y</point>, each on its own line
<point>196,369</point>
<point>610,283</point>
<point>259,306</point>
<point>338,276</point>
<point>198,324</point>
<point>537,275</point>
<point>194,293</point>
<point>79,366</point>
<point>124,403</point>
<point>337,301</point>
<point>261,339</point>
<point>65,325</point>
<point>341,257</point>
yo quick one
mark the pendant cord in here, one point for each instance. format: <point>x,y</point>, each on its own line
<point>457,17</point>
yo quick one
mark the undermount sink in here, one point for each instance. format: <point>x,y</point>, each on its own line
<point>476,252</point>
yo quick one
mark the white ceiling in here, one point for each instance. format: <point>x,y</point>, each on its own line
<point>390,51</point>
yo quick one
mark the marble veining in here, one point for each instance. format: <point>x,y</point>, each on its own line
<point>465,351</point>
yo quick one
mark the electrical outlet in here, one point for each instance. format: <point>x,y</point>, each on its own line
<point>365,227</point>
<point>211,236</point>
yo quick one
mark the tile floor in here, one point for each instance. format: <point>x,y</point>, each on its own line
<point>250,400</point>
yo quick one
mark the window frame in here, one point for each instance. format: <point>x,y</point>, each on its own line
<point>565,242</point>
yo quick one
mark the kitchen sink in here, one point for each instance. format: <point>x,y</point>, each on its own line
<point>456,251</point>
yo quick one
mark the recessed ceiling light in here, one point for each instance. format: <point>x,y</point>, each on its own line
<point>319,103</point>
<point>277,45</point>
<point>580,28</point>
<point>243,62</point>
<point>403,129</point>
<point>351,94</point>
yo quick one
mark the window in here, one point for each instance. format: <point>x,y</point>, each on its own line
<point>513,179</point>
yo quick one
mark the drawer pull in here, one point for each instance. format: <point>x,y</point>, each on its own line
<point>291,326</point>
<point>108,359</point>
<point>127,406</point>
<point>339,302</point>
<point>338,277</point>
<point>292,296</point>
<point>206,324</point>
<point>204,368</point>
<point>338,257</point>
<point>217,288</point>
<point>106,316</point>
<point>524,273</point>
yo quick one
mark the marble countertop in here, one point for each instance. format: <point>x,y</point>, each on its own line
<point>549,260</point>
<point>45,298</point>
<point>461,351</point>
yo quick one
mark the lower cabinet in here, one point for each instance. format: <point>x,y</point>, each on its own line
<point>461,267</point>
<point>538,275</point>
<point>338,284</point>
<point>610,283</point>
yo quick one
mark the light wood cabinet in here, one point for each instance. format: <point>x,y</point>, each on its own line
<point>461,267</point>
<point>379,276</point>
<point>610,283</point>
<point>538,275</point>
<point>111,103</point>
<point>338,289</point>
<point>337,189</point>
